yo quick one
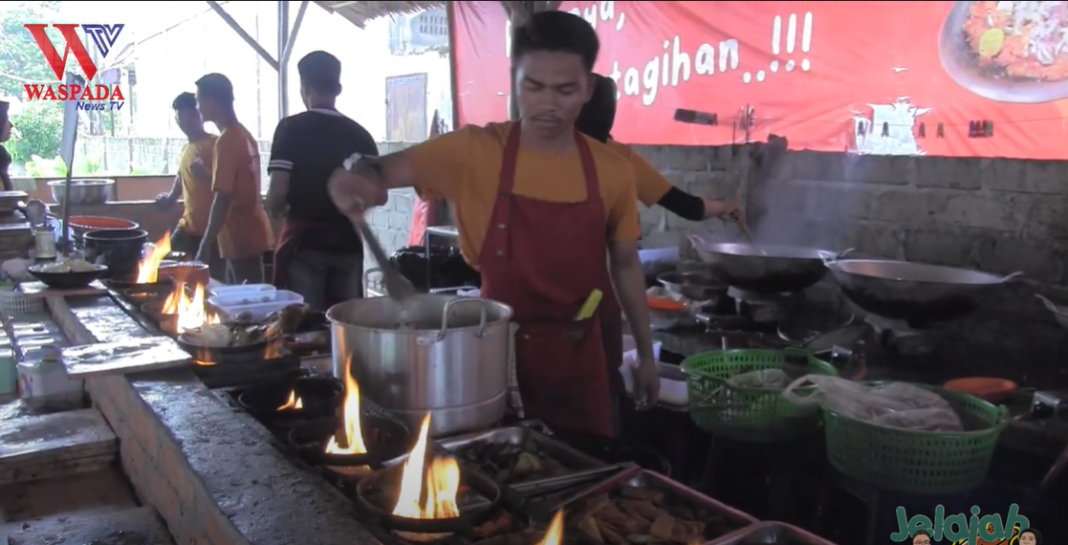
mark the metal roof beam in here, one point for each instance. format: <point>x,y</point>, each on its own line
<point>244,35</point>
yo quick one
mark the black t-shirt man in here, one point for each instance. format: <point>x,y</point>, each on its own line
<point>319,254</point>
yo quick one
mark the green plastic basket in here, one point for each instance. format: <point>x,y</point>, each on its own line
<point>749,414</point>
<point>918,462</point>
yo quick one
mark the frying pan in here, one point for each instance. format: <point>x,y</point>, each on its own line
<point>762,268</point>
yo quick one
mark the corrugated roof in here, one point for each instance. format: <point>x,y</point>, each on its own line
<point>361,12</point>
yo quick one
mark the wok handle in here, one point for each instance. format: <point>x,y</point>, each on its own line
<point>1012,276</point>
<point>695,240</point>
<point>831,257</point>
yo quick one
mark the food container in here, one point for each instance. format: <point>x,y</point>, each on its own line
<point>675,493</point>
<point>415,369</point>
<point>251,293</point>
<point>119,249</point>
<point>580,467</point>
<point>237,304</point>
<point>44,384</point>
<point>90,191</point>
<point>771,533</point>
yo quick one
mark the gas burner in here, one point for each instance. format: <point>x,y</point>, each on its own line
<point>765,308</point>
<point>907,339</point>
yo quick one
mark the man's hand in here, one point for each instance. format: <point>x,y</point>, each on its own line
<point>724,210</point>
<point>353,192</point>
<point>646,384</point>
<point>199,170</point>
<point>164,201</point>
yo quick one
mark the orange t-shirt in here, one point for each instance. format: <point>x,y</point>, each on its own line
<point>464,167</point>
<point>651,185</point>
<point>196,191</point>
<point>246,232</point>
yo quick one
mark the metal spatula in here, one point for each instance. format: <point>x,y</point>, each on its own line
<point>397,286</point>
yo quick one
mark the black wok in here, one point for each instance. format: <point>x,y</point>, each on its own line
<point>917,293</point>
<point>761,268</point>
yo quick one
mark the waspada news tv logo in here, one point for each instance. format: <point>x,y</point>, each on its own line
<point>90,95</point>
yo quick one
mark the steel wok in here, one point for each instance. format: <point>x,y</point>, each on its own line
<point>915,292</point>
<point>764,268</point>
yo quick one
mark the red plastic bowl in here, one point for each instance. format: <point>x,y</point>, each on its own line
<point>93,223</point>
<point>994,390</point>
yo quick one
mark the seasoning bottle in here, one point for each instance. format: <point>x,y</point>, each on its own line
<point>44,242</point>
<point>44,384</point>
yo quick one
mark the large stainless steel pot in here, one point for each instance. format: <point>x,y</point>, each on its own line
<point>915,292</point>
<point>453,361</point>
<point>97,191</point>
<point>761,268</point>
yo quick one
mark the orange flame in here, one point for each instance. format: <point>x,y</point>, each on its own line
<point>428,492</point>
<point>351,415</point>
<point>148,270</point>
<point>293,403</point>
<point>555,534</point>
<point>191,312</point>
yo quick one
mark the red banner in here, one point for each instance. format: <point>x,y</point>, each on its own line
<point>966,79</point>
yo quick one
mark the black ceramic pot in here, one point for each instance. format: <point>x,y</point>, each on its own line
<point>119,249</point>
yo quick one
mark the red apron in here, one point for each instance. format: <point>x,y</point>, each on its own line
<point>544,259</point>
<point>286,247</point>
<point>612,330</point>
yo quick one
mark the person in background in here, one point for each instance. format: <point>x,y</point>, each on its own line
<point>537,206</point>
<point>193,184</point>
<point>318,255</point>
<point>5,135</point>
<point>596,120</point>
<point>237,220</point>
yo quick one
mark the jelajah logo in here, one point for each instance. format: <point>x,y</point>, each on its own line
<point>961,529</point>
<point>90,96</point>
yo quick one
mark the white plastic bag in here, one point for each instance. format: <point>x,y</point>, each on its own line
<point>894,405</point>
<point>764,379</point>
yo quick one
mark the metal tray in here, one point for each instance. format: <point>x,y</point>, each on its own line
<point>642,478</point>
<point>771,533</point>
<point>584,467</point>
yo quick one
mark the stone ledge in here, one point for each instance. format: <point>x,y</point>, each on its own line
<point>213,476</point>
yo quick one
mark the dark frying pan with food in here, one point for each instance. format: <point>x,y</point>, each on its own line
<point>218,354</point>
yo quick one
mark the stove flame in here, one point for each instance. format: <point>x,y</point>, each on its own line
<point>148,269</point>
<point>293,403</point>
<point>191,312</point>
<point>555,534</point>
<point>353,438</point>
<point>428,492</point>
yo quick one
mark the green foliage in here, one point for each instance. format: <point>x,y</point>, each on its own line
<point>38,125</point>
<point>39,167</point>
<point>38,130</point>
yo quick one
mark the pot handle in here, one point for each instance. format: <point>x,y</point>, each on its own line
<point>459,301</point>
<point>1012,276</point>
<point>367,278</point>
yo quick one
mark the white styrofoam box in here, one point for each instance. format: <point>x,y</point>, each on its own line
<point>232,306</point>
<point>251,293</point>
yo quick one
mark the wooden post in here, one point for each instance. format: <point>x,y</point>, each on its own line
<point>519,13</point>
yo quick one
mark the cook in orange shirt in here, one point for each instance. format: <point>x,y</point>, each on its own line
<point>237,219</point>
<point>193,183</point>
<point>596,120</point>
<point>537,205</point>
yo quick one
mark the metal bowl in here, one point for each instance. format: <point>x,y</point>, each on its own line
<point>693,285</point>
<point>92,191</point>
